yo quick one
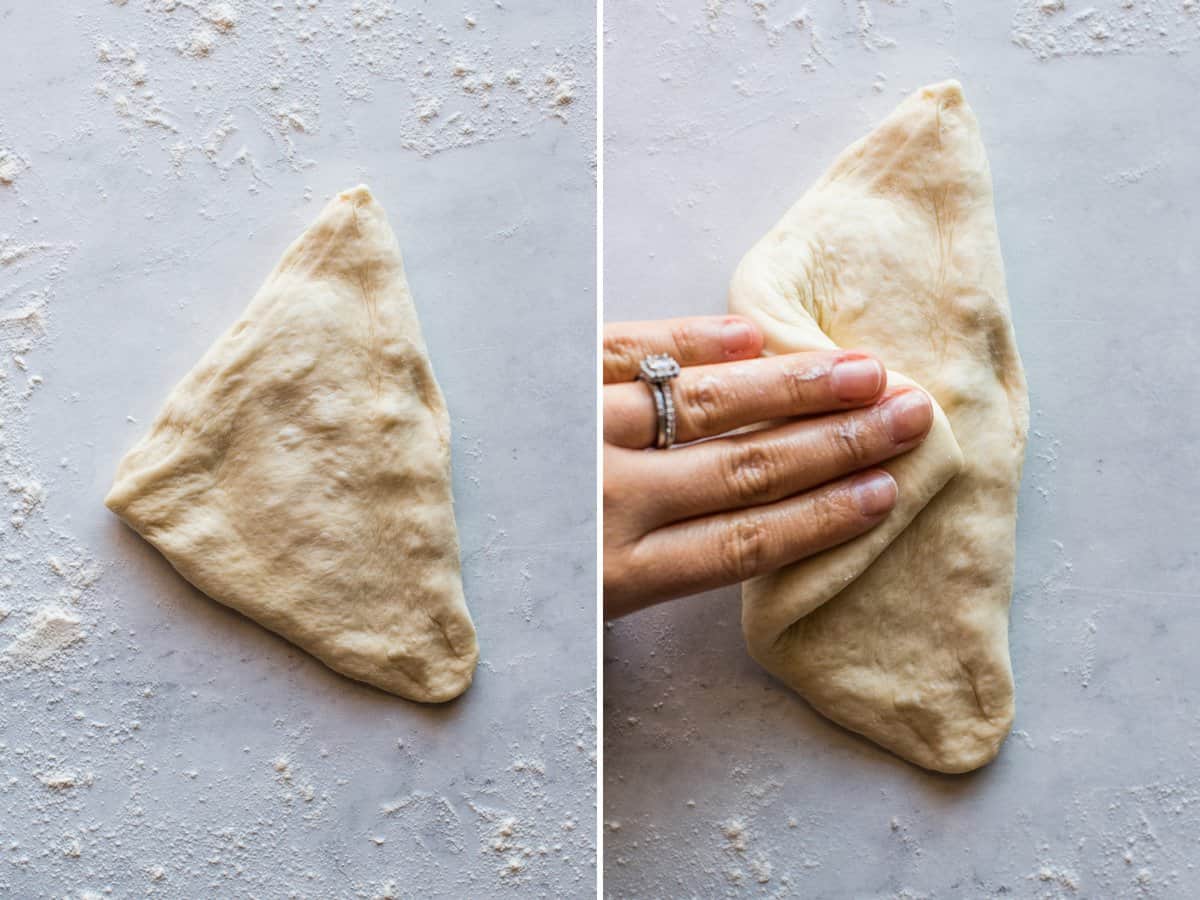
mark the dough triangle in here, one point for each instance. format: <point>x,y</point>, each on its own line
<point>902,634</point>
<point>300,473</point>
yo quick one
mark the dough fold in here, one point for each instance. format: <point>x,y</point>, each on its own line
<point>902,633</point>
<point>300,473</point>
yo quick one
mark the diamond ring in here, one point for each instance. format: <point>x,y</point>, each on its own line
<point>658,371</point>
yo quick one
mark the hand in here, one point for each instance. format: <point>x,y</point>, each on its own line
<point>694,518</point>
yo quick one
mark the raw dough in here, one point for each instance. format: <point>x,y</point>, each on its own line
<point>902,634</point>
<point>300,473</point>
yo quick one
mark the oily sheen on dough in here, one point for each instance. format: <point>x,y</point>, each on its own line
<point>902,634</point>
<point>300,473</point>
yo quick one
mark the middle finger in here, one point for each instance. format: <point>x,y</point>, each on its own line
<point>765,466</point>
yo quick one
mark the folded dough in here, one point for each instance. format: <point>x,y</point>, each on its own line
<point>300,473</point>
<point>902,634</point>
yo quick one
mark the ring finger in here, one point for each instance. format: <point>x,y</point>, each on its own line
<point>711,400</point>
<point>694,341</point>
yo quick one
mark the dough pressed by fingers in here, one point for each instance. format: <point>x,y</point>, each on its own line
<point>300,473</point>
<point>902,633</point>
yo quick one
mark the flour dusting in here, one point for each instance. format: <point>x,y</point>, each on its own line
<point>287,71</point>
<point>47,579</point>
<point>1054,28</point>
<point>50,631</point>
<point>11,166</point>
<point>153,743</point>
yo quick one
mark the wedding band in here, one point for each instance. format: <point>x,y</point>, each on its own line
<point>658,371</point>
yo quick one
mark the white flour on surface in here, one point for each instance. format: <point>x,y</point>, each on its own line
<point>46,577</point>
<point>48,581</point>
<point>178,73</point>
<point>1095,794</point>
<point>1057,28</point>
<point>61,781</point>
<point>50,631</point>
<point>519,829</point>
<point>11,166</point>
<point>157,744</point>
<point>726,74</point>
<point>816,34</point>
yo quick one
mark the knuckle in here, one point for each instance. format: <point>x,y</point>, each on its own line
<point>851,441</point>
<point>831,514</point>
<point>684,338</point>
<point>622,356</point>
<point>825,516</point>
<point>616,569</point>
<point>749,472</point>
<point>799,383</point>
<point>613,494</point>
<point>618,588</point>
<point>627,571</point>
<point>702,406</point>
<point>744,548</point>
<point>621,488</point>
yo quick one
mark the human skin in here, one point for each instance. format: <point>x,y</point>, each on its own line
<point>733,506</point>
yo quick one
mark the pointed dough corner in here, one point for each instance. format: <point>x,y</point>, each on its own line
<point>359,195</point>
<point>300,473</point>
<point>946,93</point>
<point>902,633</point>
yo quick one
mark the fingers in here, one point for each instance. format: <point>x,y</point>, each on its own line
<point>692,342</point>
<point>765,466</point>
<point>706,553</point>
<point>711,400</point>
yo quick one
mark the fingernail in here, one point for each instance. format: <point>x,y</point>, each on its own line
<point>908,416</point>
<point>856,379</point>
<point>875,493</point>
<point>737,337</point>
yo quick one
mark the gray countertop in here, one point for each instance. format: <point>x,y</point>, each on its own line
<point>155,159</point>
<point>718,780</point>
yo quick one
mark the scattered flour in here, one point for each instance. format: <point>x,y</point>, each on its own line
<point>45,578</point>
<point>123,83</point>
<point>868,34</point>
<point>1064,878</point>
<point>428,108</point>
<point>761,869</point>
<point>62,781</point>
<point>1054,28</point>
<point>199,43</point>
<point>223,16</point>
<point>172,90</point>
<point>286,68</point>
<point>735,833</point>
<point>50,631</point>
<point>1134,175</point>
<point>534,766</point>
<point>12,252</point>
<point>11,166</point>
<point>28,495</point>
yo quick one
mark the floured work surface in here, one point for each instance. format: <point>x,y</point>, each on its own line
<point>717,116</point>
<point>155,159</point>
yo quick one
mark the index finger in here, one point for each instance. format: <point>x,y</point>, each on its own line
<point>694,341</point>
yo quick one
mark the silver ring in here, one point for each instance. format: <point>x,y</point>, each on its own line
<point>658,371</point>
